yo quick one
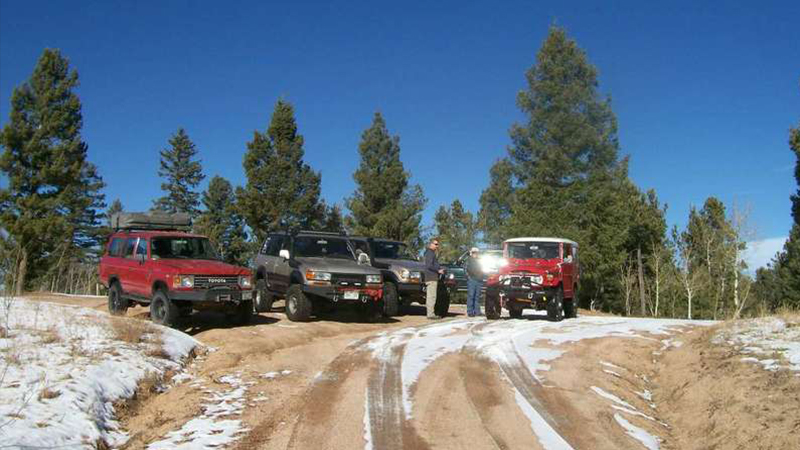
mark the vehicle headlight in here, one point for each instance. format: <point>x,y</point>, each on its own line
<point>318,276</point>
<point>405,274</point>
<point>504,278</point>
<point>373,279</point>
<point>183,281</point>
<point>415,276</point>
<point>452,276</point>
<point>246,281</point>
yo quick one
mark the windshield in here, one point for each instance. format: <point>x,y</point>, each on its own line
<point>533,250</point>
<point>321,247</point>
<point>182,247</point>
<point>392,250</point>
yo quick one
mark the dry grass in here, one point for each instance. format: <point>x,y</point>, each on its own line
<point>47,394</point>
<point>3,332</point>
<point>51,336</point>
<point>131,331</point>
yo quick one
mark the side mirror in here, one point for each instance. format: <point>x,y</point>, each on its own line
<point>284,254</point>
<point>363,259</point>
<point>568,259</point>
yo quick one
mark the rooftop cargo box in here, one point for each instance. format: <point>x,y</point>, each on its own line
<point>151,221</point>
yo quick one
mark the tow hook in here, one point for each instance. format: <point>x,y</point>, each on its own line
<point>335,298</point>
<point>363,299</point>
<point>530,295</point>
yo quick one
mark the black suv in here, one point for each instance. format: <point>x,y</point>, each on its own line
<point>314,271</point>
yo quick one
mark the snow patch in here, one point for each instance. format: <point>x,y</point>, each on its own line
<point>765,337</point>
<point>648,440</point>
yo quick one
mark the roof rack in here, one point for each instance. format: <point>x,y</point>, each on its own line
<point>325,233</point>
<point>153,221</point>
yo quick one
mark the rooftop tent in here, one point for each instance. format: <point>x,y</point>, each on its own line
<point>151,221</point>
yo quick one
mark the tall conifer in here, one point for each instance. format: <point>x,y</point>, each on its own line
<point>221,222</point>
<point>182,173</point>
<point>456,230</point>
<point>384,204</point>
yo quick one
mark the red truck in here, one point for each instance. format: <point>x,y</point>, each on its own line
<point>538,273</point>
<point>152,259</point>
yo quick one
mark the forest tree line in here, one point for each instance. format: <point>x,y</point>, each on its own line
<point>563,175</point>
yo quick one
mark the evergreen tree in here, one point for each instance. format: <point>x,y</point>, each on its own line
<point>456,229</point>
<point>183,174</point>
<point>788,270</point>
<point>496,201</point>
<point>51,204</point>
<point>221,222</point>
<point>333,221</point>
<point>115,208</point>
<point>282,191</point>
<point>384,204</point>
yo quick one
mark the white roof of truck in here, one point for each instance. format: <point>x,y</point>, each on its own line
<point>542,239</point>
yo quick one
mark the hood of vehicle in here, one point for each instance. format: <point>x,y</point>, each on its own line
<point>400,264</point>
<point>202,267</point>
<point>530,265</point>
<point>334,265</point>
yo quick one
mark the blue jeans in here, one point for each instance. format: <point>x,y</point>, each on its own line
<point>474,297</point>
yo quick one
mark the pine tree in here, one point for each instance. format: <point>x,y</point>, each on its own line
<point>788,270</point>
<point>384,204</point>
<point>50,207</point>
<point>333,222</point>
<point>221,222</point>
<point>115,208</point>
<point>182,174</point>
<point>456,230</point>
<point>282,191</point>
<point>496,201</point>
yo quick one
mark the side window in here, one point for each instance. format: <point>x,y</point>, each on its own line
<point>117,246</point>
<point>567,250</point>
<point>141,247</point>
<point>273,245</point>
<point>130,244</point>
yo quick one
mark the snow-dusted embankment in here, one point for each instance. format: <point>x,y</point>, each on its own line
<point>63,367</point>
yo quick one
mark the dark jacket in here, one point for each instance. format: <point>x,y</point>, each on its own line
<point>474,271</point>
<point>431,265</point>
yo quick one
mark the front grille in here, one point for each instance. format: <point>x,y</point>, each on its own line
<point>206,282</point>
<point>338,279</point>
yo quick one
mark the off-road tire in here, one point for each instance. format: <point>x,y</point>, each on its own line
<point>242,313</point>
<point>570,309</point>
<point>515,312</point>
<point>263,297</point>
<point>442,306</point>
<point>298,306</point>
<point>492,304</point>
<point>391,301</point>
<point>555,307</point>
<point>163,311</point>
<point>117,306</point>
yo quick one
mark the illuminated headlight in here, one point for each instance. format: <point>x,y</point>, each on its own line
<point>415,276</point>
<point>183,281</point>
<point>318,276</point>
<point>538,279</point>
<point>246,282</point>
<point>452,276</point>
<point>405,274</point>
<point>373,279</point>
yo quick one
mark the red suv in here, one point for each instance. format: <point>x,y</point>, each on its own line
<point>151,260</point>
<point>538,273</point>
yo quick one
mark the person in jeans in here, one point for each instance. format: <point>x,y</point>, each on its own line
<point>432,272</point>
<point>474,283</point>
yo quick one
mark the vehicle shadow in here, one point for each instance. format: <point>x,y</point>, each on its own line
<point>207,320</point>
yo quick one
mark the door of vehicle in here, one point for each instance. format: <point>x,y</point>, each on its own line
<point>282,270</point>
<point>128,266</point>
<point>567,269</point>
<point>268,259</point>
<point>141,268</point>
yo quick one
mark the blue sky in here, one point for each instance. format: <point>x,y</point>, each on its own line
<point>704,93</point>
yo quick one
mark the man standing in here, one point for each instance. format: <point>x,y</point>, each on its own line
<point>474,283</point>
<point>432,272</point>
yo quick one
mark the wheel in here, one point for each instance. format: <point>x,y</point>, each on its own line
<point>515,312</point>
<point>242,313</point>
<point>298,306</point>
<point>492,304</point>
<point>117,305</point>
<point>264,298</point>
<point>571,305</point>
<point>442,306</point>
<point>555,307</point>
<point>391,301</point>
<point>163,311</point>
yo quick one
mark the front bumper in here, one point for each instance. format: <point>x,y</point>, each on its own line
<point>335,294</point>
<point>216,295</point>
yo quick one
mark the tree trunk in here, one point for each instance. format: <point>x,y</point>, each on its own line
<point>641,281</point>
<point>22,272</point>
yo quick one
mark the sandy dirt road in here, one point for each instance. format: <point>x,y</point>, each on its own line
<point>596,382</point>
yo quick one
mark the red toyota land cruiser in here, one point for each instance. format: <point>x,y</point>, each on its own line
<point>152,260</point>
<point>538,273</point>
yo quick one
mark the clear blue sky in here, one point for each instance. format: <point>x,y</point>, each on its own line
<point>705,93</point>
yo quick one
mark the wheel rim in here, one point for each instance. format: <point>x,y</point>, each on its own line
<point>258,298</point>
<point>292,305</point>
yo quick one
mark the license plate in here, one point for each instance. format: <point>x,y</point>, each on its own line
<point>351,295</point>
<point>247,295</point>
<point>224,297</point>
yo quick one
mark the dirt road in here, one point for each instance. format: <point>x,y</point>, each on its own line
<point>589,383</point>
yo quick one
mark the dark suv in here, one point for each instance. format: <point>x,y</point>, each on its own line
<point>315,271</point>
<point>152,260</point>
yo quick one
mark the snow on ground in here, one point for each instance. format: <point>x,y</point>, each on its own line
<point>773,342</point>
<point>531,344</point>
<point>63,367</point>
<point>217,425</point>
